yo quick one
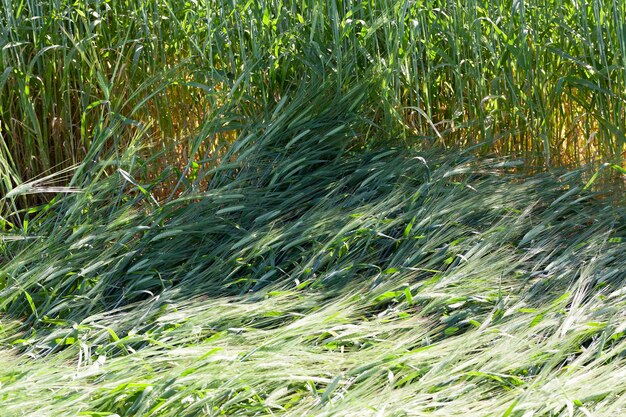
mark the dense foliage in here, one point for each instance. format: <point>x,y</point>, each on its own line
<point>547,77</point>
<point>312,208</point>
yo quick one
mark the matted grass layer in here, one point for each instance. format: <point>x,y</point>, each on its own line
<point>310,276</point>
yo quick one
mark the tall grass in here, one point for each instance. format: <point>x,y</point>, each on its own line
<point>544,79</point>
<point>298,208</point>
